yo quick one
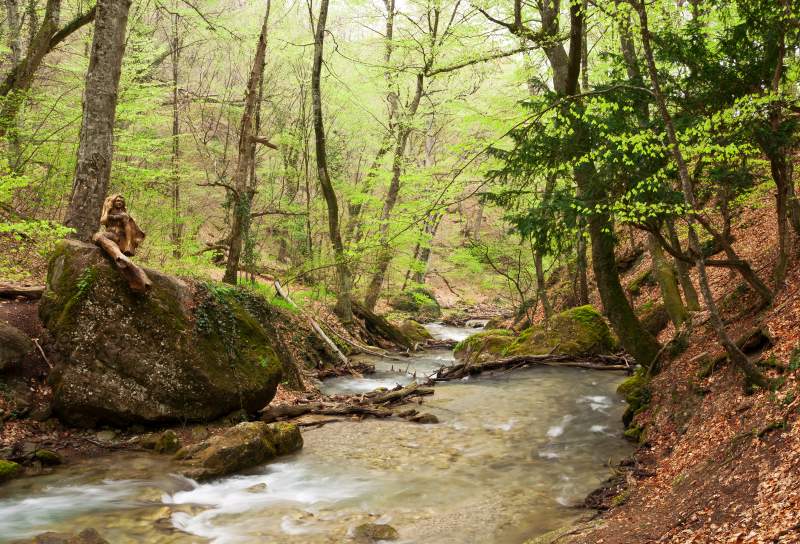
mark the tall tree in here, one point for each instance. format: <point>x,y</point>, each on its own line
<point>96,147</point>
<point>344,307</point>
<point>242,190</point>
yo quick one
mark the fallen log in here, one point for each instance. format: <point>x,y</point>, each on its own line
<point>604,362</point>
<point>373,404</point>
<point>32,292</point>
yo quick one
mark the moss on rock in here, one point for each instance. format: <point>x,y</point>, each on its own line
<point>182,352</point>
<point>415,331</point>
<point>484,346</point>
<point>418,301</point>
<point>577,331</point>
<point>8,469</point>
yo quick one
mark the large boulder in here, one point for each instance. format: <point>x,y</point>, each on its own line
<point>14,344</point>
<point>240,447</point>
<point>484,346</point>
<point>185,351</point>
<point>577,331</point>
<point>418,301</point>
<point>414,331</point>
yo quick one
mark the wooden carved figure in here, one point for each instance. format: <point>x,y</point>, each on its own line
<point>119,238</point>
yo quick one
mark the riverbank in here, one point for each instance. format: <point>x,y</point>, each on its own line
<point>511,457</point>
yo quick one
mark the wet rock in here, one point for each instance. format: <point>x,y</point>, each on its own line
<point>373,532</point>
<point>8,469</point>
<point>424,418</point>
<point>14,344</point>
<point>167,442</point>
<point>414,331</point>
<point>47,457</point>
<point>483,346</point>
<point>87,536</point>
<point>181,353</point>
<point>258,488</point>
<point>106,436</point>
<point>242,446</point>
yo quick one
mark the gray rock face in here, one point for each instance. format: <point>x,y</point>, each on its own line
<point>183,352</point>
<point>243,446</point>
<point>14,344</point>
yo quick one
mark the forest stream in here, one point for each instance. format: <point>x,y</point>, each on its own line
<point>512,456</point>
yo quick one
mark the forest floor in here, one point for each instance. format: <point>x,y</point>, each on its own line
<point>718,464</point>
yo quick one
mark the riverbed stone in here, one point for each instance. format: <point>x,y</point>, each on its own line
<point>87,536</point>
<point>8,469</point>
<point>47,457</point>
<point>373,532</point>
<point>167,442</point>
<point>186,351</point>
<point>240,447</point>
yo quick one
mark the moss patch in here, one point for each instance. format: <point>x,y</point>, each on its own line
<point>8,469</point>
<point>577,331</point>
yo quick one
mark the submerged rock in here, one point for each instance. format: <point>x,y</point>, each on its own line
<point>242,446</point>
<point>373,532</point>
<point>14,344</point>
<point>183,352</point>
<point>87,536</point>
<point>577,331</point>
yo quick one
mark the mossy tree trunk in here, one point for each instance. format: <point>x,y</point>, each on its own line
<point>667,282</point>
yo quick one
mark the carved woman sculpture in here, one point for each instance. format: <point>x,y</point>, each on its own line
<point>119,238</point>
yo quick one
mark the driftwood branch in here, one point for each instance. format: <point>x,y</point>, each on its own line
<point>596,362</point>
<point>374,404</point>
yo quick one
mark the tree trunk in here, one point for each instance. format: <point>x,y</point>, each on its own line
<point>344,308</point>
<point>42,40</point>
<point>667,282</point>
<point>581,271</point>
<point>689,292</point>
<point>541,286</point>
<point>385,252</point>
<point>242,191</point>
<point>424,256</point>
<point>735,354</point>
<point>95,150</point>
<point>177,227</point>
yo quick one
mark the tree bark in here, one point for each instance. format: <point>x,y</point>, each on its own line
<point>242,191</point>
<point>667,282</point>
<point>344,308</point>
<point>176,234</point>
<point>96,147</point>
<point>541,286</point>
<point>735,354</point>
<point>689,292</point>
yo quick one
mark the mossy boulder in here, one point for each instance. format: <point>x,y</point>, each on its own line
<point>8,469</point>
<point>240,447</point>
<point>418,301</point>
<point>577,331</point>
<point>484,346</point>
<point>47,457</point>
<point>368,533</point>
<point>182,352</point>
<point>14,344</point>
<point>415,331</point>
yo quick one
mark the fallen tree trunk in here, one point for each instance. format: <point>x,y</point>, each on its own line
<point>602,362</point>
<point>13,291</point>
<point>374,404</point>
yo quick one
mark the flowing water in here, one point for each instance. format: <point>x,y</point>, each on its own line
<point>512,455</point>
